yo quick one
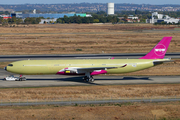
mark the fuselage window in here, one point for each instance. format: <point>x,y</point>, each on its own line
<point>10,65</point>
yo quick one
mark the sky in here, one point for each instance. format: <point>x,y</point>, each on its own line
<point>154,2</point>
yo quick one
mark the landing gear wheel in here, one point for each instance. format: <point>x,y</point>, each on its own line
<point>91,80</point>
<point>88,79</point>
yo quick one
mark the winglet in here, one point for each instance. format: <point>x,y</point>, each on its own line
<point>159,51</point>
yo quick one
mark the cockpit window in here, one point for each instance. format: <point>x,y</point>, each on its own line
<point>10,65</point>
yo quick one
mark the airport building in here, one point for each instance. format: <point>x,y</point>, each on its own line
<point>49,15</point>
<point>158,18</point>
<point>130,19</point>
<point>5,16</point>
<point>43,21</point>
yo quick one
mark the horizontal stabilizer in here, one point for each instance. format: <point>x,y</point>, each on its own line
<point>157,62</point>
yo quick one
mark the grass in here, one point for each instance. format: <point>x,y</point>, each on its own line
<point>78,49</point>
<point>136,111</point>
<point>4,64</point>
<point>90,92</point>
<point>65,39</point>
<point>107,38</point>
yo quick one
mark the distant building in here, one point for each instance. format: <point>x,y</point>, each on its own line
<point>121,18</point>
<point>44,21</point>
<point>110,8</point>
<point>5,16</point>
<point>158,18</point>
<point>130,19</point>
<point>49,15</point>
<point>34,11</point>
<point>17,14</point>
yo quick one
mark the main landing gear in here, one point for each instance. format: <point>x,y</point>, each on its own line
<point>88,79</point>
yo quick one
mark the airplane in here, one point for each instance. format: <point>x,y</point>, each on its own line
<point>90,67</point>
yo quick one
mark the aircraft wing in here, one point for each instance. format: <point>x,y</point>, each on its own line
<point>89,69</point>
<point>101,68</point>
<point>93,70</point>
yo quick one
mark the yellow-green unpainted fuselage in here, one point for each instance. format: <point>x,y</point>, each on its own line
<point>42,67</point>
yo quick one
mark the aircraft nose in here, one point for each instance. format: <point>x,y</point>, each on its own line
<point>5,68</point>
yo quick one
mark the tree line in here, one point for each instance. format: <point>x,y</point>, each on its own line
<point>98,17</point>
<point>4,12</point>
<point>12,20</point>
<point>15,20</point>
<point>74,19</point>
<point>94,19</point>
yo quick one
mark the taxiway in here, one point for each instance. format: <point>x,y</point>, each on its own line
<point>60,80</point>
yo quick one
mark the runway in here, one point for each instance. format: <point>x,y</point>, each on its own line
<point>60,80</point>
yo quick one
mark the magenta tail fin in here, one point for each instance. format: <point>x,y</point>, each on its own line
<point>159,51</point>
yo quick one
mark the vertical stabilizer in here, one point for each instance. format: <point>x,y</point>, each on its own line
<point>159,51</point>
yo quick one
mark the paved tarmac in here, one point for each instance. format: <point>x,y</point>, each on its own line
<point>61,80</point>
<point>87,102</point>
